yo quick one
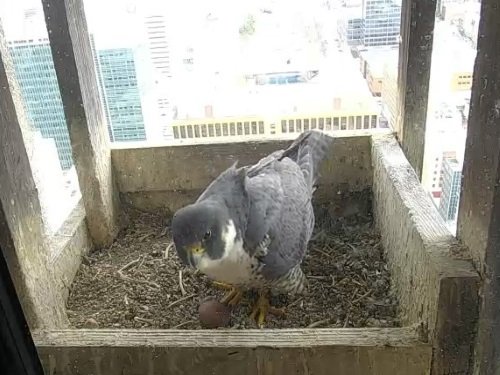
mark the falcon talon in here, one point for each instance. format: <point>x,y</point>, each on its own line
<point>221,285</point>
<point>233,298</point>
<point>262,308</point>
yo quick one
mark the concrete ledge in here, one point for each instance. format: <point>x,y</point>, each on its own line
<point>169,177</point>
<point>67,246</point>
<point>436,288</point>
<point>374,351</point>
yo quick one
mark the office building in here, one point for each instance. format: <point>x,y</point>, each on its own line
<point>122,100</point>
<point>381,22</point>
<point>350,25</point>
<point>157,32</point>
<point>34,71</point>
<point>452,174</point>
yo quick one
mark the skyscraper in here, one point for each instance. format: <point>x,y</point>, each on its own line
<point>381,22</point>
<point>100,84</point>
<point>121,97</point>
<point>452,173</point>
<point>156,25</point>
<point>35,73</point>
<point>350,25</point>
<point>156,30</point>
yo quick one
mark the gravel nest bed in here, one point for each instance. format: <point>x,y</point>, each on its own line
<point>135,284</point>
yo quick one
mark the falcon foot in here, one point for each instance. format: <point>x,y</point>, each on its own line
<point>261,308</point>
<point>233,297</point>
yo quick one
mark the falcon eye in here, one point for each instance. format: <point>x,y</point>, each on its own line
<point>207,235</point>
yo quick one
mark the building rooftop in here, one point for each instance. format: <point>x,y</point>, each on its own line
<point>453,163</point>
<point>379,57</point>
<point>451,51</point>
<point>341,80</point>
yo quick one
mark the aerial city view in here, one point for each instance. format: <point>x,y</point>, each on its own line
<point>223,70</point>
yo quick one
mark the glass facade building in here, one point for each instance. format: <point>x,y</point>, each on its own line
<point>121,96</point>
<point>450,196</point>
<point>381,22</point>
<point>354,31</point>
<point>35,74</point>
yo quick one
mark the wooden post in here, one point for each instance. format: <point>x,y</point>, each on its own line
<point>415,53</point>
<point>74,65</point>
<point>479,213</point>
<point>21,227</point>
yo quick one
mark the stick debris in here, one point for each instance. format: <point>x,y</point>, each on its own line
<point>181,284</point>
<point>347,287</point>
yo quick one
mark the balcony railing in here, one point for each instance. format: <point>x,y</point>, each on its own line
<point>252,127</point>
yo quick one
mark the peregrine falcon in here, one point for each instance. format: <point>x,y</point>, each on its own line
<point>250,228</point>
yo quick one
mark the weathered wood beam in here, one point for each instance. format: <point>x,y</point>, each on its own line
<point>415,53</point>
<point>74,65</point>
<point>168,184</point>
<point>479,212</point>
<point>435,287</point>
<point>21,227</point>
<point>375,351</point>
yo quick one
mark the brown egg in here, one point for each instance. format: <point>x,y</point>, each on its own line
<point>213,314</point>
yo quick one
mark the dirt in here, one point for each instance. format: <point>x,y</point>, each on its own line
<point>136,283</point>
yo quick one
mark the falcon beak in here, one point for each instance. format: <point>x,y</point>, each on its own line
<point>193,252</point>
<point>195,249</point>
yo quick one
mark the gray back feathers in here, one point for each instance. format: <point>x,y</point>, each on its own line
<point>273,198</point>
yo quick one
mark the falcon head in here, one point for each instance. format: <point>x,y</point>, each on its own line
<point>200,233</point>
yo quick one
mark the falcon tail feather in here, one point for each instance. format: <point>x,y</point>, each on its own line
<point>308,151</point>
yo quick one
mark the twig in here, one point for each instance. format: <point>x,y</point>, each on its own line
<point>319,323</point>
<point>125,299</point>
<point>130,264</point>
<point>181,284</point>
<point>183,324</point>
<point>360,298</point>
<point>142,261</point>
<point>163,232</point>
<point>352,247</point>
<point>142,238</point>
<point>323,252</point>
<point>357,282</point>
<point>346,321</point>
<point>342,281</point>
<point>146,282</point>
<point>143,320</point>
<point>318,277</point>
<point>296,302</point>
<point>167,250</point>
<point>181,300</point>
<point>318,235</point>
<point>354,295</point>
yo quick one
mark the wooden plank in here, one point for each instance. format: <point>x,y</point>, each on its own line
<point>68,245</point>
<point>21,227</point>
<point>74,65</point>
<point>436,286</point>
<point>479,212</point>
<point>415,53</point>
<point>277,352</point>
<point>173,176</point>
